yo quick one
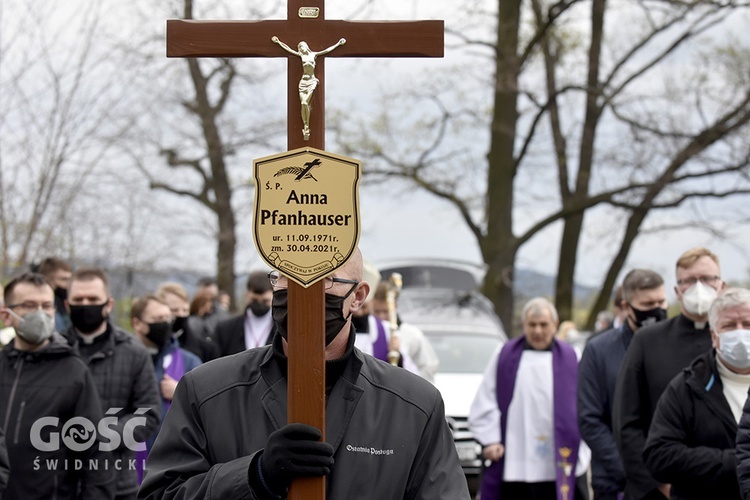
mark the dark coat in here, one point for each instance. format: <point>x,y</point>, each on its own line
<point>597,376</point>
<point>204,348</point>
<point>224,411</point>
<point>743,451</point>
<point>230,335</point>
<point>656,355</point>
<point>4,462</point>
<point>51,382</point>
<point>124,375</point>
<point>691,441</point>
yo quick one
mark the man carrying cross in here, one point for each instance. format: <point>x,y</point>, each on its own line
<point>227,434</point>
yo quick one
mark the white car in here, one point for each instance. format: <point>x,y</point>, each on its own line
<point>464,330</point>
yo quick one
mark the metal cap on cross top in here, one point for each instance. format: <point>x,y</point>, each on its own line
<point>314,37</point>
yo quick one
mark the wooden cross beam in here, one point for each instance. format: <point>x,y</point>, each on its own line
<point>305,22</point>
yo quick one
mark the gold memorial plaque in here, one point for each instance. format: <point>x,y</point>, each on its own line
<point>306,213</point>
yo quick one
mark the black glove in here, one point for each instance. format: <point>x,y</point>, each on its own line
<point>293,451</point>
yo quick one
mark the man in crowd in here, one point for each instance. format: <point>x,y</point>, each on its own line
<point>413,340</point>
<point>151,320</point>
<point>58,273</point>
<point>43,386</point>
<point>535,453</point>
<point>691,443</point>
<point>645,300</point>
<point>178,300</point>
<point>205,324</point>
<point>655,356</point>
<point>253,328</point>
<point>119,364</point>
<point>227,435</point>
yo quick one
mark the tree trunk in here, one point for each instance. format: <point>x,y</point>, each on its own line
<point>573,224</point>
<point>499,246</point>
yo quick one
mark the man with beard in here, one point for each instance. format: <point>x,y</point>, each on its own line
<point>656,355</point>
<point>43,387</point>
<point>253,328</point>
<point>227,435</point>
<point>120,365</point>
<point>645,301</point>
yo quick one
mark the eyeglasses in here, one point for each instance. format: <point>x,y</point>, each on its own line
<point>706,280</point>
<point>279,280</point>
<point>33,306</point>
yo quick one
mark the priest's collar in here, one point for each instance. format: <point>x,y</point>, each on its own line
<point>528,347</point>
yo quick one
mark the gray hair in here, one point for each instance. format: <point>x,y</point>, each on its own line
<point>536,306</point>
<point>732,297</point>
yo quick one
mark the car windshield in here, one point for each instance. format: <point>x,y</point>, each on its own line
<point>433,277</point>
<point>462,353</point>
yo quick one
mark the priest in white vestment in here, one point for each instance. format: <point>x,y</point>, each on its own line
<point>525,415</point>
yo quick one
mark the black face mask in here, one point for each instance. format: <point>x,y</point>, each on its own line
<point>179,324</point>
<point>649,317</point>
<point>61,294</point>
<point>258,308</point>
<point>86,319</point>
<point>361,323</point>
<point>335,319</point>
<point>159,333</point>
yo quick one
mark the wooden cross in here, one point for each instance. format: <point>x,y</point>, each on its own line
<point>305,22</point>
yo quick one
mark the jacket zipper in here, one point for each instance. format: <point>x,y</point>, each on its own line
<point>13,393</point>
<point>19,419</point>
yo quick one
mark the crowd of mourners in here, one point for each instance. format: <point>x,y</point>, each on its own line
<point>189,400</point>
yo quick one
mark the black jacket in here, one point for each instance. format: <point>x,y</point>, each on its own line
<point>656,355</point>
<point>691,441</point>
<point>230,335</point>
<point>52,382</point>
<point>386,425</point>
<point>4,463</point>
<point>191,341</point>
<point>597,376</point>
<point>124,375</point>
<point>743,451</point>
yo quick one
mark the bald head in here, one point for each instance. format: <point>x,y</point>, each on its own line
<point>354,269</point>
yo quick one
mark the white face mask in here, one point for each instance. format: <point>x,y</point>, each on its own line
<point>734,348</point>
<point>698,299</point>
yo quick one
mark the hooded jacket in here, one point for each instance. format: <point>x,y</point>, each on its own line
<point>691,441</point>
<point>386,425</point>
<point>52,382</point>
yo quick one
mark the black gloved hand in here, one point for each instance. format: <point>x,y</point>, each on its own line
<point>294,451</point>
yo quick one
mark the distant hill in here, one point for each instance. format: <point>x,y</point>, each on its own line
<point>533,284</point>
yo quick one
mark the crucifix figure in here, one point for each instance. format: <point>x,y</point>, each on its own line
<point>305,21</point>
<point>308,82</point>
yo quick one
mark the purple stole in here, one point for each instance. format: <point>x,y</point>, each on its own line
<point>567,437</point>
<point>176,370</point>
<point>380,346</point>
